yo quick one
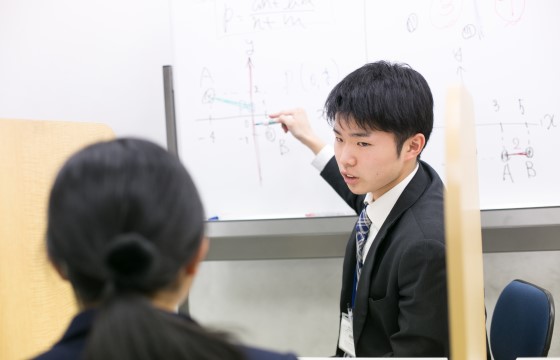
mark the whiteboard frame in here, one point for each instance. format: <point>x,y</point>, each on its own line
<point>511,230</point>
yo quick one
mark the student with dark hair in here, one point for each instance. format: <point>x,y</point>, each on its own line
<point>125,227</point>
<point>394,291</point>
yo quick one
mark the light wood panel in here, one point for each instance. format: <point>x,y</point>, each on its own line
<point>35,304</point>
<point>463,230</point>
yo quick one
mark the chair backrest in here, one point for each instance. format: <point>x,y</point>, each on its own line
<point>522,322</point>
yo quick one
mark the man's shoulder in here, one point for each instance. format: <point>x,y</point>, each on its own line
<point>425,217</point>
<point>430,173</point>
<point>432,186</point>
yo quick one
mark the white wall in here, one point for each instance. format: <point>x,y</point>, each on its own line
<point>292,305</point>
<point>95,61</point>
<point>287,305</point>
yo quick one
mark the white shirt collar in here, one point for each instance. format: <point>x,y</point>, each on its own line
<point>379,209</point>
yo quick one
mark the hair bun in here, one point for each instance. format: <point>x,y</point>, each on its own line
<point>130,258</point>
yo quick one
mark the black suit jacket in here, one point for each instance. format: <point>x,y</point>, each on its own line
<point>401,301</point>
<point>73,343</point>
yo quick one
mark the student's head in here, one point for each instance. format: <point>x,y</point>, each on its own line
<point>123,214</point>
<point>382,117</point>
<point>125,227</point>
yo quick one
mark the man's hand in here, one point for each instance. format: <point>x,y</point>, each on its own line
<point>296,122</point>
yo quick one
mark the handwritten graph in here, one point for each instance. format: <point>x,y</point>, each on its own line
<point>255,58</point>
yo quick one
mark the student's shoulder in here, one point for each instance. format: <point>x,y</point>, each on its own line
<point>261,354</point>
<point>58,353</point>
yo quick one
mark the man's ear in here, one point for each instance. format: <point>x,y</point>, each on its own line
<point>192,267</point>
<point>413,146</point>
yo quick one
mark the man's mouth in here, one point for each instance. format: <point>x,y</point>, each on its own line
<point>349,178</point>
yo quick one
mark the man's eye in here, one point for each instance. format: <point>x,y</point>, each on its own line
<point>338,139</point>
<point>363,144</point>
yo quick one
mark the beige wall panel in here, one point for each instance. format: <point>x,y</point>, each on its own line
<point>35,305</point>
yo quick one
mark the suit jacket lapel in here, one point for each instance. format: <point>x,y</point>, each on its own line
<point>349,267</point>
<point>411,193</point>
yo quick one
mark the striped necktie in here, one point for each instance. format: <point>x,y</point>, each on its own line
<point>362,230</point>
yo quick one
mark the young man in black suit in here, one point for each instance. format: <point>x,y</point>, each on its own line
<point>394,291</point>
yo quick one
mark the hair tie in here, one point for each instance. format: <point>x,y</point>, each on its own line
<point>130,259</point>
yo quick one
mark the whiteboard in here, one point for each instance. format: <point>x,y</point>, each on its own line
<point>506,54</point>
<point>237,61</point>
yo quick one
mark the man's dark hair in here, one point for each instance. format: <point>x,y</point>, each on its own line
<point>386,97</point>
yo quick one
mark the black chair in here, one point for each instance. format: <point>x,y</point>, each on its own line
<point>522,322</point>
